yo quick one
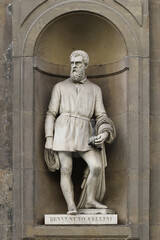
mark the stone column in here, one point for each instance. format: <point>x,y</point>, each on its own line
<point>155,119</point>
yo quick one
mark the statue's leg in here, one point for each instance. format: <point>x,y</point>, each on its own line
<point>66,182</point>
<point>94,161</point>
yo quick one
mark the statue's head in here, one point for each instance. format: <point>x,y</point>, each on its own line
<point>79,62</point>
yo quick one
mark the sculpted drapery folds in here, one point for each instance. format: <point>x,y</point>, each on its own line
<point>74,102</point>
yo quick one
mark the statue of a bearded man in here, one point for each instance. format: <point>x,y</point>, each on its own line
<point>74,102</point>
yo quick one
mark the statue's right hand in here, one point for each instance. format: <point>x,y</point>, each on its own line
<point>49,143</point>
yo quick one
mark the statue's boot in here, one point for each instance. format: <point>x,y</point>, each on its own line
<point>72,211</point>
<point>95,204</point>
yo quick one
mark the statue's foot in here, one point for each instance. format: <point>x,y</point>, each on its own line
<point>95,204</point>
<point>72,211</point>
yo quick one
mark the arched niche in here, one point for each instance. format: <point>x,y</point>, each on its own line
<point>80,30</point>
<point>109,69</point>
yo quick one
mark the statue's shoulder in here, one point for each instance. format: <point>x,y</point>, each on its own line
<point>62,83</point>
<point>68,80</point>
<point>93,85</point>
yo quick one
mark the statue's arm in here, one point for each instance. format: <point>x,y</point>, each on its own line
<point>104,125</point>
<point>53,110</point>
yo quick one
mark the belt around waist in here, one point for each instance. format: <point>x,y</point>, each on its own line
<point>75,115</point>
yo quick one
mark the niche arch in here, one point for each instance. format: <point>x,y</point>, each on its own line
<point>109,69</point>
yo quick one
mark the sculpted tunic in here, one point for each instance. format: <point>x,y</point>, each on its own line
<point>71,107</point>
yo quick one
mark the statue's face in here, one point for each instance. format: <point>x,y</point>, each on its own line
<point>77,68</point>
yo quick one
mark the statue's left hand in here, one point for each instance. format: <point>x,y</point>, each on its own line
<point>101,138</point>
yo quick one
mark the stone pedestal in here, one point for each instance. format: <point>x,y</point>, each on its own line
<point>79,219</point>
<point>84,217</point>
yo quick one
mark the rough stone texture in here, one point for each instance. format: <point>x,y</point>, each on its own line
<point>6,174</point>
<point>155,119</point>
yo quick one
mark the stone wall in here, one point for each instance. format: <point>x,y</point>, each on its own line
<point>155,119</point>
<point>6,207</point>
<point>6,165</point>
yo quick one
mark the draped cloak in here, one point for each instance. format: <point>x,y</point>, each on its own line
<point>71,107</point>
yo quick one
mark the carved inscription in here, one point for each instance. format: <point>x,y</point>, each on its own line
<point>81,219</point>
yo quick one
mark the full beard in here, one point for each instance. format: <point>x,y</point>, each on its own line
<point>77,76</point>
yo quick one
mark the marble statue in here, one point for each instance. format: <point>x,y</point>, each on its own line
<point>68,128</point>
